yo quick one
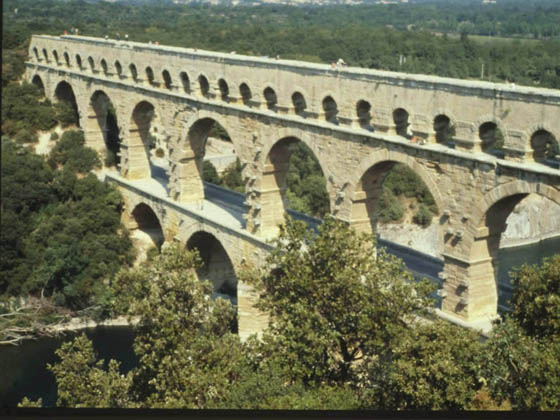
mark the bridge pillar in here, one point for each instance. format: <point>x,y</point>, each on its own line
<point>382,121</point>
<point>136,164</point>
<point>189,183</point>
<point>517,147</point>
<point>466,137</point>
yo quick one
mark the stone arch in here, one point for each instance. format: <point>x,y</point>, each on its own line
<point>544,145</point>
<point>204,86</point>
<point>91,63</point>
<point>185,82</point>
<point>55,56</point>
<point>217,266</point>
<point>37,81</point>
<point>245,93</point>
<point>443,128</point>
<point>224,89</point>
<point>486,226</point>
<point>271,208</point>
<point>330,109</point>
<point>168,83</point>
<point>139,141</point>
<point>150,76</point>
<point>133,72</point>
<point>491,133</point>
<point>104,67</point>
<point>102,131</point>
<point>64,92</point>
<point>271,98</point>
<point>146,229</point>
<point>118,68</point>
<point>67,59</point>
<point>36,52</point>
<point>363,112</point>
<point>299,103</point>
<point>193,150</point>
<point>401,119</point>
<point>46,55</point>
<point>366,186</point>
<point>79,62</point>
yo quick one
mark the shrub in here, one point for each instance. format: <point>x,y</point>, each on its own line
<point>423,216</point>
<point>26,136</point>
<point>54,136</point>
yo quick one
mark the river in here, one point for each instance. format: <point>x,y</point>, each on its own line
<point>24,370</point>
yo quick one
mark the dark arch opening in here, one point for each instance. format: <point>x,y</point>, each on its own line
<point>216,268</point>
<point>330,109</point>
<point>67,59</point>
<point>146,230</point>
<point>36,52</point>
<point>185,82</point>
<point>79,61</point>
<point>391,192</point>
<point>363,111</point>
<point>204,85</point>
<point>295,181</point>
<point>400,118</point>
<point>103,130</point>
<point>91,64</point>
<point>299,103</point>
<point>37,81</point>
<point>150,76</point>
<point>492,138</point>
<point>444,130</point>
<point>55,56</point>
<point>67,107</point>
<point>270,98</point>
<point>46,55</point>
<point>545,147</point>
<point>245,93</point>
<point>118,68</point>
<point>224,89</point>
<point>166,79</point>
<point>104,67</point>
<point>133,72</point>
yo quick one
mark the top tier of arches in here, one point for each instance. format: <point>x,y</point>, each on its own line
<point>363,109</point>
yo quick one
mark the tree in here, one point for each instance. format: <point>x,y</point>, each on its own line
<point>334,306</point>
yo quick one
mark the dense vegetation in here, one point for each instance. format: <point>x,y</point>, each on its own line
<point>399,37</point>
<point>343,334</point>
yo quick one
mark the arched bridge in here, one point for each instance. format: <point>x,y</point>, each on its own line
<point>479,147</point>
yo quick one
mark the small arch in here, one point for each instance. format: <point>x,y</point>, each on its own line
<point>55,56</point>
<point>204,85</point>
<point>443,128</point>
<point>46,55</point>
<point>91,64</point>
<point>300,106</point>
<point>67,59</point>
<point>401,120</point>
<point>217,267</point>
<point>224,89</point>
<point>118,68</point>
<point>545,146</point>
<point>147,226</point>
<point>185,82</point>
<point>104,67</point>
<point>245,93</point>
<point>79,61</point>
<point>167,79</point>
<point>37,81</point>
<point>270,98</point>
<point>330,109</point>
<point>36,52</point>
<point>491,137</point>
<point>150,76</point>
<point>133,72</point>
<point>363,112</point>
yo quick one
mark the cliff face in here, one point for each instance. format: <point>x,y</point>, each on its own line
<point>533,219</point>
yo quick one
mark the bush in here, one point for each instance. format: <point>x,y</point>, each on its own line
<point>70,152</point>
<point>26,136</point>
<point>423,216</point>
<point>65,113</point>
<point>390,208</point>
<point>54,136</point>
<point>209,173</point>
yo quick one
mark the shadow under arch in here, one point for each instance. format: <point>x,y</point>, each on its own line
<point>217,267</point>
<point>64,94</point>
<point>146,230</point>
<point>368,186</point>
<point>274,200</point>
<point>102,128</point>
<point>37,81</point>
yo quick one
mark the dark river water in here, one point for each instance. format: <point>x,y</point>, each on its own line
<point>23,370</point>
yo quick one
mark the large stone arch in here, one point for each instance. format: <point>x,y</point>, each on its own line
<point>268,208</point>
<point>64,90</point>
<point>146,225</point>
<point>191,150</point>
<point>96,123</point>
<point>137,140</point>
<point>37,80</point>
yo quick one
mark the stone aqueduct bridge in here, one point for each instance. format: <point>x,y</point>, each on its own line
<point>357,122</point>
